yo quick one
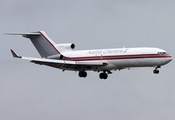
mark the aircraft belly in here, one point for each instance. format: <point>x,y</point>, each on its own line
<point>119,64</point>
<point>145,62</point>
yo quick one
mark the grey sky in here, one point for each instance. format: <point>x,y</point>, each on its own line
<point>29,91</point>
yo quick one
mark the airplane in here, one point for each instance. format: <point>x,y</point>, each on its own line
<point>63,56</point>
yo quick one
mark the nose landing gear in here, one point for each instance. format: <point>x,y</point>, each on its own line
<point>156,71</point>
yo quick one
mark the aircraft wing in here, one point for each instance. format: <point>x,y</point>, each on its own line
<point>61,63</point>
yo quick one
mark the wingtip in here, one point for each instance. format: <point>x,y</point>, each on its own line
<point>14,54</point>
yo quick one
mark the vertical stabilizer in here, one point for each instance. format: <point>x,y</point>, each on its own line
<point>44,45</point>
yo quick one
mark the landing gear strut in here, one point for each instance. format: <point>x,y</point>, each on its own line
<point>103,75</point>
<point>156,71</point>
<point>82,74</point>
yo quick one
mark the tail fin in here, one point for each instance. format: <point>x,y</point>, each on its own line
<point>44,45</point>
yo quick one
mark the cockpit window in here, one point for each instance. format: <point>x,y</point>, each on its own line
<point>162,53</point>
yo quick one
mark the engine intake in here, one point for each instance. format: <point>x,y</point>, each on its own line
<point>61,57</point>
<point>72,46</point>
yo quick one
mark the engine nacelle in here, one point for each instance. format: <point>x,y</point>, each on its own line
<point>58,56</point>
<point>65,47</point>
<point>62,48</point>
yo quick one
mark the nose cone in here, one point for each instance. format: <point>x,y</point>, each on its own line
<point>169,59</point>
<point>166,60</point>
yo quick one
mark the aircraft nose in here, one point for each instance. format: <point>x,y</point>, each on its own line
<point>166,60</point>
<point>169,59</point>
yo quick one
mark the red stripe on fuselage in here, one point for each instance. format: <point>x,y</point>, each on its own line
<point>115,56</point>
<point>118,57</point>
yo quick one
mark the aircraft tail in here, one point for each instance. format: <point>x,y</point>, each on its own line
<point>44,45</point>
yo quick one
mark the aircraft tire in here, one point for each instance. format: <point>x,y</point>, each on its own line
<point>80,74</point>
<point>103,76</point>
<point>84,74</point>
<point>156,71</point>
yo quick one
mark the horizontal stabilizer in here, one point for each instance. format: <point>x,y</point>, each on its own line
<point>44,45</point>
<point>32,34</point>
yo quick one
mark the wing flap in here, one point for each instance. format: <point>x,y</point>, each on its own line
<point>45,60</point>
<point>48,60</point>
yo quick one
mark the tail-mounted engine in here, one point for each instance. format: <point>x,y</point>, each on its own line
<point>58,56</point>
<point>65,47</point>
<point>62,48</point>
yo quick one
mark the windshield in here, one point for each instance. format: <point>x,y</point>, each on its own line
<point>162,52</point>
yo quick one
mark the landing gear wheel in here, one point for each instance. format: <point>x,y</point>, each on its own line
<point>103,76</point>
<point>156,71</point>
<point>82,74</point>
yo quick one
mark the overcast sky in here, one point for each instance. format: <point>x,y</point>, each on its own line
<point>29,91</point>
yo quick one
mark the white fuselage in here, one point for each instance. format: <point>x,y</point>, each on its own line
<point>63,57</point>
<point>121,58</point>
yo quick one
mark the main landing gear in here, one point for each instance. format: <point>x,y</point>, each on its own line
<point>156,71</point>
<point>103,75</point>
<point>82,74</point>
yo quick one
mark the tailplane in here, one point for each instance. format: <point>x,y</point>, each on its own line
<point>44,45</point>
